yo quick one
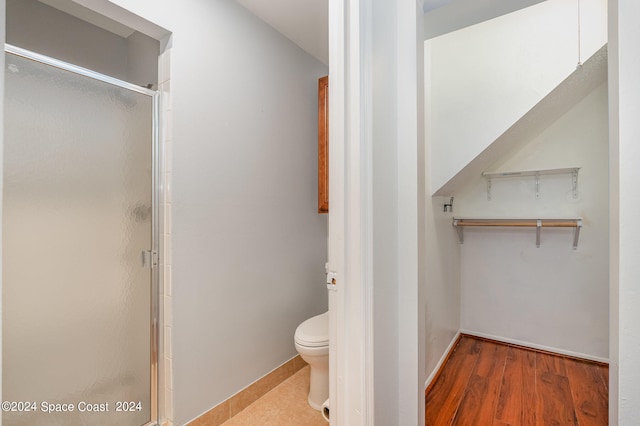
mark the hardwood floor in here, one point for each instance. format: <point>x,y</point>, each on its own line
<point>495,384</point>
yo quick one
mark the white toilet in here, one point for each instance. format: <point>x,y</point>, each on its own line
<point>312,343</point>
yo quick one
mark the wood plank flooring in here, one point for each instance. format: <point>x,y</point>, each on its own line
<point>495,384</point>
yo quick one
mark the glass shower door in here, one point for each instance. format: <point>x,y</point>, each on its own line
<point>78,219</point>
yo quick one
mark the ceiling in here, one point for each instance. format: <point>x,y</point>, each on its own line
<point>306,23</point>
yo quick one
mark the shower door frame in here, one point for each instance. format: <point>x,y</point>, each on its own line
<point>155,192</point>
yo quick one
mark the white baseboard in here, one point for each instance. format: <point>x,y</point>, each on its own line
<point>535,346</point>
<point>441,361</point>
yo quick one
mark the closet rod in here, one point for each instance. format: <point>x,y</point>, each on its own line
<point>529,223</point>
<point>572,223</point>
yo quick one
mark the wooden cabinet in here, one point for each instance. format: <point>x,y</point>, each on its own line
<point>323,145</point>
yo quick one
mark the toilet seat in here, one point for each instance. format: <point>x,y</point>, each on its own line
<point>314,332</point>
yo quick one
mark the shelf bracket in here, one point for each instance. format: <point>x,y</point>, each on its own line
<point>574,180</point>
<point>537,186</point>
<point>459,229</point>
<point>488,188</point>
<point>538,228</point>
<point>576,233</point>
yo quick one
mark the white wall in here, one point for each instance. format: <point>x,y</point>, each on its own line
<point>442,261</point>
<point>42,29</point>
<point>485,77</point>
<point>624,67</point>
<point>2,40</point>
<point>248,246</point>
<point>442,307</point>
<point>551,296</point>
<point>385,215</point>
<point>614,213</point>
<point>396,146</point>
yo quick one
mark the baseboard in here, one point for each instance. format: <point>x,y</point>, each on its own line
<point>534,346</point>
<point>238,402</point>
<point>443,360</point>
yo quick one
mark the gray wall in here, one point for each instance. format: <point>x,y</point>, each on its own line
<point>248,248</point>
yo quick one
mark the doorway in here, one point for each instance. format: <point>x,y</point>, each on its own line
<point>80,228</point>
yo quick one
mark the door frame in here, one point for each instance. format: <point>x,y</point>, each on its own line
<point>365,276</point>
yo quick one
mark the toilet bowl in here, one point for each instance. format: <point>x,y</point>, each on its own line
<point>312,343</point>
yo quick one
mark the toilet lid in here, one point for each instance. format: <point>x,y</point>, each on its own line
<point>314,332</point>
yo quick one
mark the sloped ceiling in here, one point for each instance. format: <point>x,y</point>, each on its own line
<point>305,22</point>
<point>434,4</point>
<point>452,15</point>
<point>560,100</point>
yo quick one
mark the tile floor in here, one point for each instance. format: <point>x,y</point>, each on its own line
<point>284,405</point>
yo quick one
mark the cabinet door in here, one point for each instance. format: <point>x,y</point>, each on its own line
<point>323,145</point>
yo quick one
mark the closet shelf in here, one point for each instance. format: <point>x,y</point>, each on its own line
<point>459,224</point>
<point>573,171</point>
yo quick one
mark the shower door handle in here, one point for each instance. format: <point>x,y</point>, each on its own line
<point>150,258</point>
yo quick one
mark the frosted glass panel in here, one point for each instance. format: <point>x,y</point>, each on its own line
<point>77,216</point>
